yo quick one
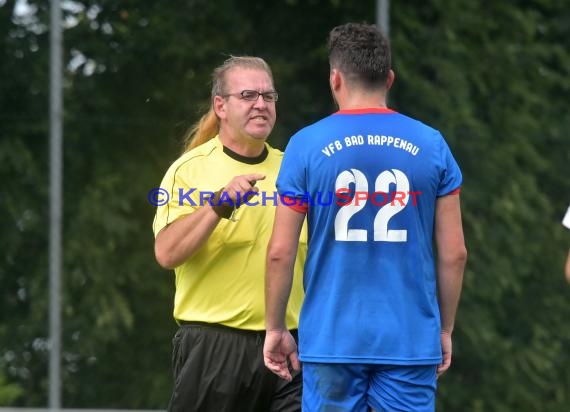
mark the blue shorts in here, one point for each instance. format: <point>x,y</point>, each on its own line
<point>357,387</point>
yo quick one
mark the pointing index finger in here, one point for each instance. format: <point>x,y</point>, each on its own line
<point>254,177</point>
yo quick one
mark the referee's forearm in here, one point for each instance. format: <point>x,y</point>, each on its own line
<point>178,241</point>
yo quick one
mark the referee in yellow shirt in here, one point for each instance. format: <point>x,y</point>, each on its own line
<point>214,235</point>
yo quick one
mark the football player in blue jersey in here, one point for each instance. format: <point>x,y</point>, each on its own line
<point>385,260</point>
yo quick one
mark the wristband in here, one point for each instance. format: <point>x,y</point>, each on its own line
<point>225,209</point>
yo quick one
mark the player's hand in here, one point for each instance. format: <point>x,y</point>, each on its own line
<point>446,349</point>
<point>280,351</point>
<point>242,188</point>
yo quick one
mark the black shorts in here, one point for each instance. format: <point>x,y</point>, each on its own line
<point>221,369</point>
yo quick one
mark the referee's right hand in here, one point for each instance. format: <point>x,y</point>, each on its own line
<point>237,188</point>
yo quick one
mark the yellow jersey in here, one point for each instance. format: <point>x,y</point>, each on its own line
<point>223,281</point>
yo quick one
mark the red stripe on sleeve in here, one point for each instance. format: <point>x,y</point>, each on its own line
<point>455,192</point>
<point>293,203</point>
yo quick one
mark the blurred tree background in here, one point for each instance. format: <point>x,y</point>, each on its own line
<point>494,77</point>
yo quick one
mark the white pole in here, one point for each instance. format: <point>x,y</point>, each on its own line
<point>55,205</point>
<point>383,16</point>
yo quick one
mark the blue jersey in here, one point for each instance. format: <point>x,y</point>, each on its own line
<point>370,179</point>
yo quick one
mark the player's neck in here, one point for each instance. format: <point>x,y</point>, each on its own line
<point>362,104</point>
<point>362,100</point>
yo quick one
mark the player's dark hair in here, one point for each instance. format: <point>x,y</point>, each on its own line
<point>209,126</point>
<point>361,52</point>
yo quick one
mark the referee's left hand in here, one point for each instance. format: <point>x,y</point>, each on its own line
<point>280,351</point>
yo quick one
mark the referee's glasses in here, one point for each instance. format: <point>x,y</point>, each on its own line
<point>253,95</point>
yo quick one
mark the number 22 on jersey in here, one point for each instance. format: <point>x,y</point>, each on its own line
<point>387,209</point>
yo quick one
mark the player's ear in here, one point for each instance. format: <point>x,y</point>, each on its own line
<point>335,79</point>
<point>390,79</point>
